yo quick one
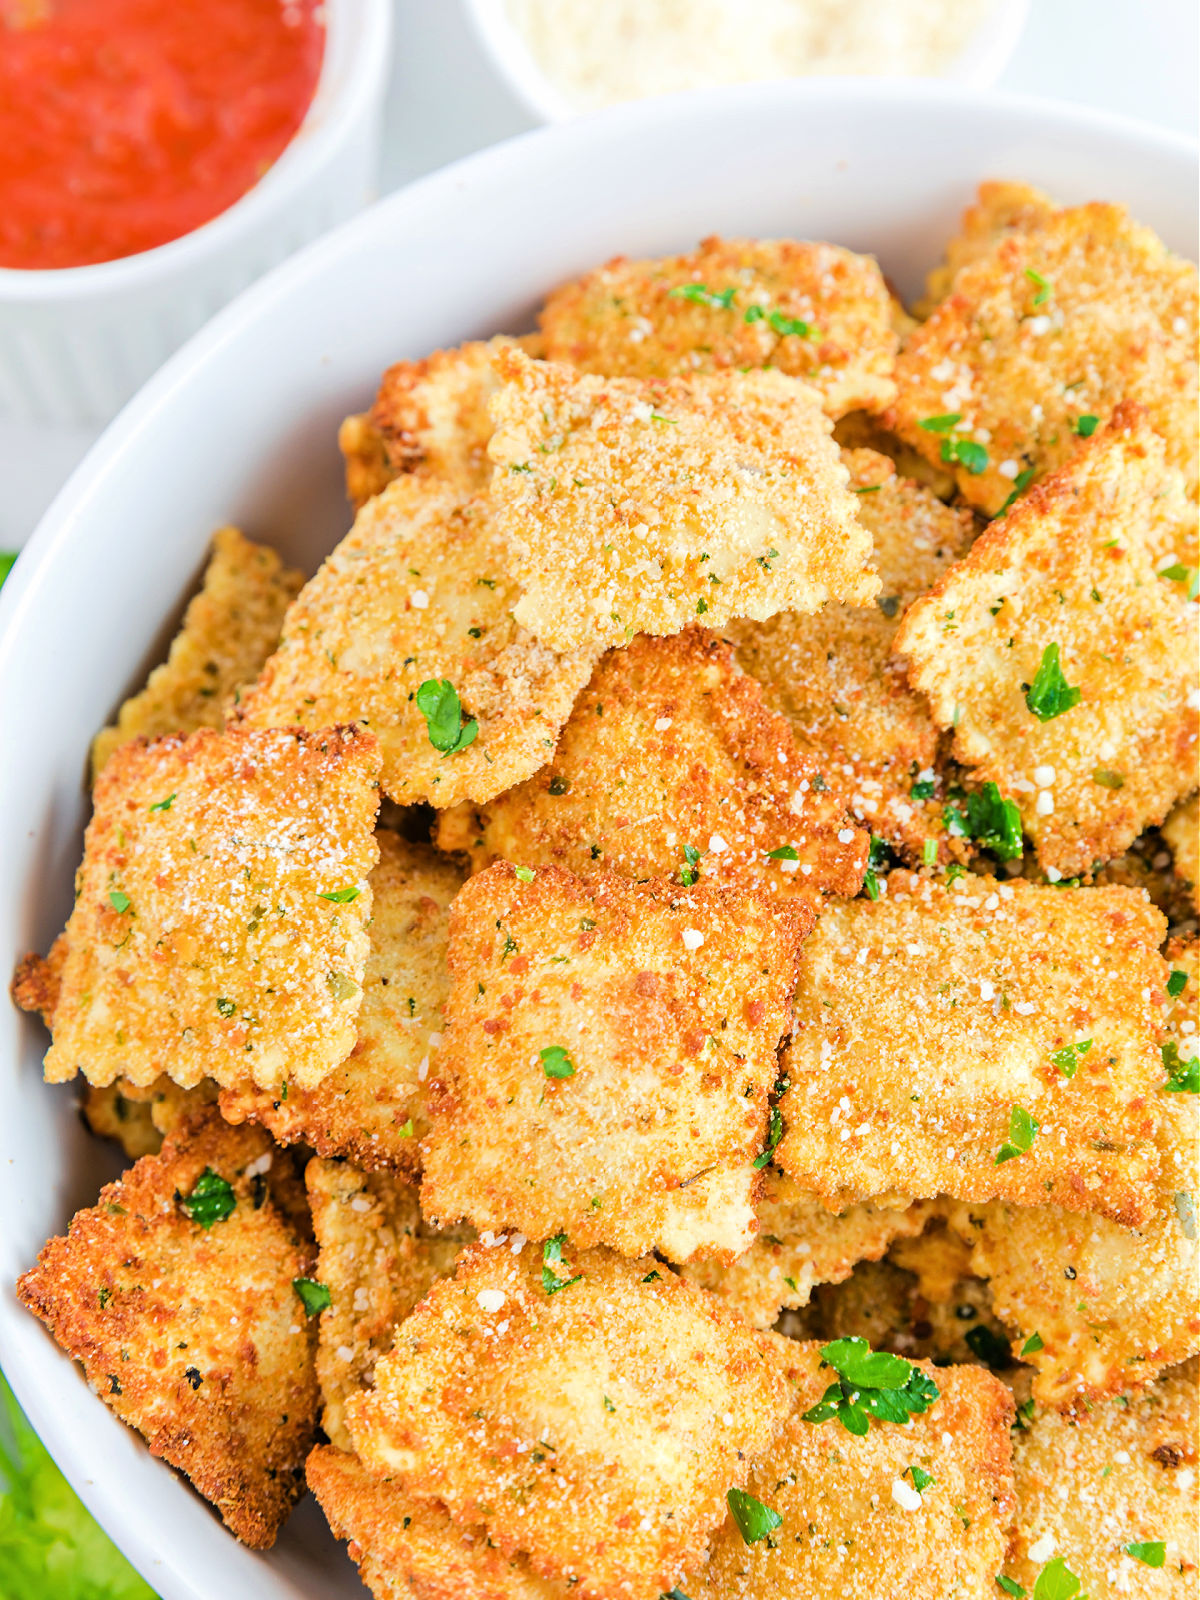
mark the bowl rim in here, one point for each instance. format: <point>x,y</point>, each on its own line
<point>979,64</point>
<point>354,66</point>
<point>150,1548</point>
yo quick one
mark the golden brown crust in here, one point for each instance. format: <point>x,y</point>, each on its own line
<point>1000,208</point>
<point>637,506</point>
<point>372,1107</point>
<point>493,1401</point>
<point>194,1336</point>
<point>844,1532</point>
<point>418,590</point>
<point>670,746</point>
<point>1070,566</point>
<point>229,629</point>
<point>923,1018</point>
<point>37,982</point>
<point>204,941</point>
<point>629,319</point>
<point>661,1008</point>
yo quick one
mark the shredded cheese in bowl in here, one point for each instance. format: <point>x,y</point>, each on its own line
<point>596,55</point>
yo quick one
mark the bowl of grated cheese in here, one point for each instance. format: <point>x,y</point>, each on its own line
<point>563,58</point>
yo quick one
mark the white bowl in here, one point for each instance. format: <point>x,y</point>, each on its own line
<point>240,426</point>
<point>76,342</point>
<point>980,63</point>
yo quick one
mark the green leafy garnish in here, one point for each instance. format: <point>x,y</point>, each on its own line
<point>1107,778</point>
<point>871,885</point>
<point>1176,983</point>
<point>966,453</point>
<point>1150,1552</point>
<point>1067,1059</point>
<point>1020,483</point>
<point>754,1520</point>
<point>119,900</point>
<point>438,703</point>
<point>1049,695</point>
<point>1044,287</point>
<point>990,819</point>
<point>920,1478</point>
<point>1183,1073</point>
<point>774,1135</point>
<point>1022,1131</point>
<point>225,1008</point>
<point>1010,1586</point>
<point>789,325</point>
<point>942,424</point>
<point>1056,1581</point>
<point>923,789</point>
<point>690,872</point>
<point>212,1200</point>
<point>784,852</point>
<point>871,1383</point>
<point>556,1063</point>
<point>524,873</point>
<point>314,1297</point>
<point>552,1256</point>
<point>1086,425</point>
<point>1033,1344</point>
<point>701,295</point>
<point>342,897</point>
<point>163,805</point>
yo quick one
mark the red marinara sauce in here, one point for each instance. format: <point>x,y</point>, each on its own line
<point>125,123</point>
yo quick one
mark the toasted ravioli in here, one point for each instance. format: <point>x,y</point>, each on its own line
<point>592,1411</point>
<point>672,749</point>
<point>927,1025</point>
<point>220,917</point>
<point>636,506</point>
<point>408,1549</point>
<point>371,1108</point>
<point>622,1038</point>
<point>364,452</point>
<point>833,676</point>
<point>999,209</point>
<point>187,1325</point>
<point>799,1244</point>
<point>1120,1475</point>
<point>138,1119</point>
<point>229,629</point>
<point>1062,594</point>
<point>813,311</point>
<point>37,982</point>
<point>847,1529</point>
<point>377,1259</point>
<point>1182,833</point>
<point>418,591</point>
<point>1049,325</point>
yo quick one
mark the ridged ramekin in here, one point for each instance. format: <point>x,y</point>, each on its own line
<point>77,342</point>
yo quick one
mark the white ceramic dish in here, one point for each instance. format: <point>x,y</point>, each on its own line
<point>241,426</point>
<point>77,342</point>
<point>980,63</point>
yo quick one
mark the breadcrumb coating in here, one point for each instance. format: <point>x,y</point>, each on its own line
<point>1000,208</point>
<point>636,506</point>
<point>1182,833</point>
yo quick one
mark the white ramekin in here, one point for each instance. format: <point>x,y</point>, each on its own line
<point>77,342</point>
<point>979,65</point>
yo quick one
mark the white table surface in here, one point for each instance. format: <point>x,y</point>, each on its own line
<point>1137,57</point>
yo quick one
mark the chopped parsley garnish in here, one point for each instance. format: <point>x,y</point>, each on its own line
<point>929,852</point>
<point>1176,983</point>
<point>1033,1344</point>
<point>1056,1581</point>
<point>225,1008</point>
<point>920,1478</point>
<point>1022,1131</point>
<point>1049,695</point>
<point>1010,1586</point>
<point>119,900</point>
<point>871,885</point>
<point>438,703</point>
<point>343,897</point>
<point>556,1063</point>
<point>1044,287</point>
<point>1183,1073</point>
<point>880,856</point>
<point>784,852</point>
<point>1107,778</point>
<point>789,325</point>
<point>1067,1059</point>
<point>689,872</point>
<point>870,488</point>
<point>1020,483</point>
<point>552,1256</point>
<point>1086,425</point>
<point>941,424</point>
<point>923,789</point>
<point>991,1348</point>
<point>1178,573</point>
<point>871,1383</point>
<point>608,1405</point>
<point>1150,1552</point>
<point>212,1200</point>
<point>991,820</point>
<point>966,453</point>
<point>754,1520</point>
<point>163,805</point>
<point>314,1297</point>
<point>524,873</point>
<point>701,295</point>
<point>774,1135</point>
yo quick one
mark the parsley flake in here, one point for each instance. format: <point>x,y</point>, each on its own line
<point>1183,1072</point>
<point>1107,778</point>
<point>690,872</point>
<point>941,424</point>
<point>1057,1582</point>
<point>314,1297</point>
<point>556,1063</point>
<point>1044,287</point>
<point>163,805</point>
<point>923,789</point>
<point>342,897</point>
<point>438,703</point>
<point>920,1478</point>
<point>1033,1344</point>
<point>871,1383</point>
<point>524,873</point>
<point>1150,1552</point>
<point>965,453</point>
<point>774,1135</point>
<point>991,820</point>
<point>701,295</point>
<point>784,852</point>
<point>871,885</point>
<point>1176,983</point>
<point>119,901</point>
<point>552,1257</point>
<point>212,1200</point>
<point>1022,1131</point>
<point>1086,425</point>
<point>1010,1585</point>
<point>1049,695</point>
<point>754,1520</point>
<point>1067,1059</point>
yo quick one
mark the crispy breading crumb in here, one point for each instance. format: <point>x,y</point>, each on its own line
<point>194,1335</point>
<point>377,1259</point>
<point>597,1426</point>
<point>606,1043</point>
<point>219,926</point>
<point>672,749</point>
<point>229,629</point>
<point>1000,208</point>
<point>927,1019</point>
<point>814,311</point>
<point>1069,571</point>
<point>420,590</point>
<point>372,1108</point>
<point>833,676</point>
<point>636,506</point>
<point>37,982</point>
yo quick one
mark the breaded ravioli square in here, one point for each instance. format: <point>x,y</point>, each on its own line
<point>1001,207</point>
<point>407,1549</point>
<point>637,506</point>
<point>833,676</point>
<point>984,1040</point>
<point>220,916</point>
<point>1064,665</point>
<point>229,629</point>
<point>672,765</point>
<point>852,1523</point>
<point>799,1244</point>
<point>590,1410</point>
<point>371,1108</point>
<point>814,311</point>
<point>175,1292</point>
<point>1103,1489</point>
<point>1052,325</point>
<point>606,1043</point>
<point>377,1259</point>
<point>419,592</point>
